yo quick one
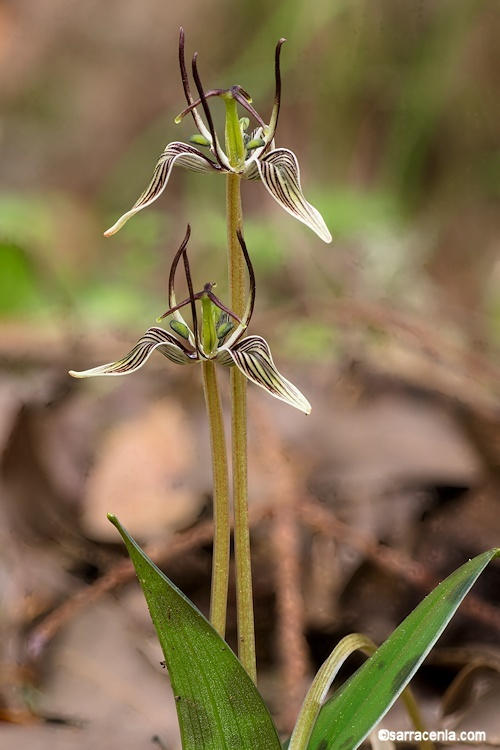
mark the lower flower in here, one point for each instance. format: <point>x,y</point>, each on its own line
<point>218,339</point>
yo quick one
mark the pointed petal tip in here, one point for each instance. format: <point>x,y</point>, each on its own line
<point>295,399</point>
<point>326,237</point>
<point>301,403</point>
<point>118,224</point>
<point>121,222</point>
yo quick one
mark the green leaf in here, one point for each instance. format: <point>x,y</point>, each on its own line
<point>218,706</point>
<point>349,715</point>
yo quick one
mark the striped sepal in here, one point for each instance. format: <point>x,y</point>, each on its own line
<point>154,338</point>
<point>251,170</point>
<point>176,153</point>
<point>253,357</point>
<point>279,171</point>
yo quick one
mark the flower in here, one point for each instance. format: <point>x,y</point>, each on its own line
<point>255,156</point>
<point>218,339</point>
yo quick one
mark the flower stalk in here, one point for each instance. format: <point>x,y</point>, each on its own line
<point>222,528</point>
<point>244,589</point>
<point>220,476</point>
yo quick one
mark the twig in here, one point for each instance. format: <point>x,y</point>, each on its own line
<point>323,521</point>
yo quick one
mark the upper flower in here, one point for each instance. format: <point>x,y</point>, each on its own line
<point>219,338</point>
<point>250,155</point>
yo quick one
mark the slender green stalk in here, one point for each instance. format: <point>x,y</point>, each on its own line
<point>233,135</point>
<point>234,220</point>
<point>222,529</point>
<point>244,593</point>
<point>321,684</point>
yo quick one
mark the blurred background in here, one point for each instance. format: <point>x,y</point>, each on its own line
<point>391,332</point>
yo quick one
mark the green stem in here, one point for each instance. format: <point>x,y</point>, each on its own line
<point>234,138</point>
<point>244,593</point>
<point>221,548</point>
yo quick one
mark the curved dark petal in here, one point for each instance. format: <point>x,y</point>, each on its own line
<point>277,96</point>
<point>154,339</point>
<point>237,333</point>
<point>252,356</point>
<point>216,149</point>
<point>180,154</point>
<point>187,92</point>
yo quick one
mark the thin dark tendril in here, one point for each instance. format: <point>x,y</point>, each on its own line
<point>206,110</point>
<point>241,97</point>
<point>184,302</point>
<point>196,103</point>
<point>251,277</point>
<point>192,298</point>
<point>222,306</point>
<point>207,291</point>
<point>182,65</point>
<point>277,77</point>
<point>175,262</point>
